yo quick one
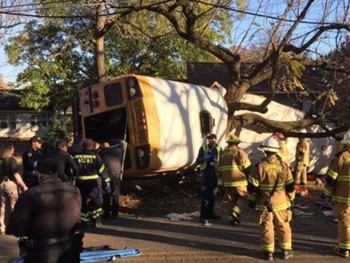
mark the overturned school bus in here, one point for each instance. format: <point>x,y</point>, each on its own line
<point>163,122</point>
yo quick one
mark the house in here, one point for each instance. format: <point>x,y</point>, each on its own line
<point>206,73</point>
<point>20,123</point>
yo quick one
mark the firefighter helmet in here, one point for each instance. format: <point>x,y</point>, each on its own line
<point>231,138</point>
<point>270,145</point>
<point>279,135</point>
<point>346,139</point>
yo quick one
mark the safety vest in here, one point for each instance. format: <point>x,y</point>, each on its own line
<point>206,149</point>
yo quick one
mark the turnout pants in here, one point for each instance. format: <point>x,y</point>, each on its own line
<point>280,221</point>
<point>111,199</point>
<point>342,213</point>
<point>92,200</point>
<point>300,174</point>
<point>236,200</point>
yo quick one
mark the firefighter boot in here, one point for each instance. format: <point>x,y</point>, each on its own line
<point>341,252</point>
<point>268,256</point>
<point>287,254</point>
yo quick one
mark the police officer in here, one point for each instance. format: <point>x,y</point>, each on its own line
<point>337,192</point>
<point>234,166</point>
<point>207,158</point>
<point>112,156</point>
<point>91,179</point>
<point>67,167</point>
<point>48,214</point>
<point>30,158</point>
<point>270,192</point>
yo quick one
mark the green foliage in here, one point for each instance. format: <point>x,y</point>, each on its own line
<point>61,128</point>
<point>292,71</point>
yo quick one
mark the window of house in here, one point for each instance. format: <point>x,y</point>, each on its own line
<point>3,121</point>
<point>12,121</point>
<point>44,120</point>
<point>8,121</point>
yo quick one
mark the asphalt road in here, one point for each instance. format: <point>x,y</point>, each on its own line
<point>162,240</point>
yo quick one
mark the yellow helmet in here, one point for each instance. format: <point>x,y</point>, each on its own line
<point>233,139</point>
<point>346,139</point>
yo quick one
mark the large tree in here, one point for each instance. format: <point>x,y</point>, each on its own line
<point>294,34</point>
<point>62,47</point>
<point>288,36</point>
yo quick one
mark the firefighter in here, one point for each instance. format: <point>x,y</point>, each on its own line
<point>91,180</point>
<point>270,192</point>
<point>47,216</point>
<point>337,193</point>
<point>283,153</point>
<point>112,156</point>
<point>207,158</point>
<point>30,158</point>
<point>302,161</point>
<point>234,166</point>
<point>67,167</point>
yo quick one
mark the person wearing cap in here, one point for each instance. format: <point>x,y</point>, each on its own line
<point>234,166</point>
<point>270,193</point>
<point>67,167</point>
<point>30,157</point>
<point>302,161</point>
<point>91,180</point>
<point>10,180</point>
<point>207,158</point>
<point>48,215</point>
<point>112,154</point>
<point>337,193</point>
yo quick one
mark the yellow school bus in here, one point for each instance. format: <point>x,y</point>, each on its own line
<point>163,122</point>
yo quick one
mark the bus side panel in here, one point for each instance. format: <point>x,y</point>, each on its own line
<point>178,105</point>
<point>153,123</point>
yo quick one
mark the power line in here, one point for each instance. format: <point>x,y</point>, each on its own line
<point>256,14</point>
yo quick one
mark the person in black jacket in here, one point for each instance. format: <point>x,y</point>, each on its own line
<point>67,167</point>
<point>30,158</point>
<point>91,180</point>
<point>112,156</point>
<point>47,215</point>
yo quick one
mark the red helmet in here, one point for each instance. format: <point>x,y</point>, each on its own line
<point>279,135</point>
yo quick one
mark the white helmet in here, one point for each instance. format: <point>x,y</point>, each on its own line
<point>346,139</point>
<point>270,145</point>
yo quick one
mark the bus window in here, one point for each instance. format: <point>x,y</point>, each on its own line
<point>206,121</point>
<point>113,94</point>
<point>107,125</point>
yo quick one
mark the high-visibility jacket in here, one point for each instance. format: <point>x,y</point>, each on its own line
<point>262,180</point>
<point>215,150</point>
<point>91,166</point>
<point>234,165</point>
<point>338,179</point>
<point>302,153</point>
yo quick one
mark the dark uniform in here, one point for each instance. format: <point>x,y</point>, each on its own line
<point>67,167</point>
<point>92,174</point>
<point>47,215</point>
<point>30,158</point>
<point>207,158</point>
<point>112,158</point>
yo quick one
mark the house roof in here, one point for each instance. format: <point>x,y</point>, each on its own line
<point>9,101</point>
<point>206,73</point>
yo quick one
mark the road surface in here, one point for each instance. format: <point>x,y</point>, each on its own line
<point>162,240</point>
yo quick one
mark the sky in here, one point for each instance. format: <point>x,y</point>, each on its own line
<point>272,8</point>
<point>8,72</point>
